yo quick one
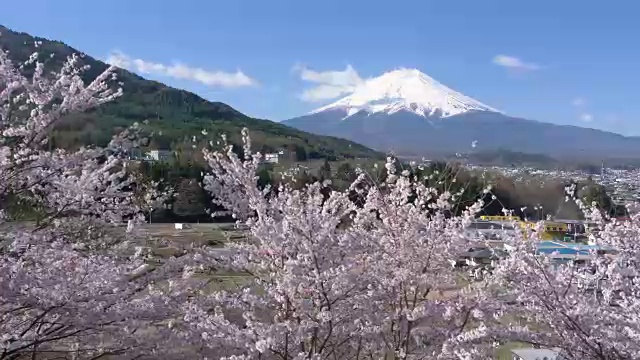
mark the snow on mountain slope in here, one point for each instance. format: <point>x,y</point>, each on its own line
<point>406,90</point>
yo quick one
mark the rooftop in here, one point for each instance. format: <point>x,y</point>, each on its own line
<point>537,354</point>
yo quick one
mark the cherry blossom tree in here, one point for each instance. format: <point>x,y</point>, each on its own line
<point>587,306</point>
<point>69,287</point>
<point>333,280</point>
<point>329,278</point>
<point>337,281</point>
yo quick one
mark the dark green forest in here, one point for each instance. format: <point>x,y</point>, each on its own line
<point>533,200</point>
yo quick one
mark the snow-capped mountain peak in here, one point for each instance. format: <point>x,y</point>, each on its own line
<point>405,90</point>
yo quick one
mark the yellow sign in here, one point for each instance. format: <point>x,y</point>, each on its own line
<point>499,218</point>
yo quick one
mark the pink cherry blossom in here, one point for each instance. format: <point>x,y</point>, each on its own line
<point>68,285</point>
<point>326,277</point>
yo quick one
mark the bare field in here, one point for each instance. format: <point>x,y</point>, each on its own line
<point>165,240</point>
<point>162,238</point>
<point>201,234</point>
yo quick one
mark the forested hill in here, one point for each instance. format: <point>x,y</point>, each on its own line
<point>174,116</point>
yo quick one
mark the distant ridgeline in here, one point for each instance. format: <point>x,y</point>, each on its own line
<point>174,116</point>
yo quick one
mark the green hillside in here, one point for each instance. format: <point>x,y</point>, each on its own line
<point>173,115</point>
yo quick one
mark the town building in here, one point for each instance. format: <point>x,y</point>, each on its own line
<point>159,155</point>
<point>135,154</point>
<point>272,158</point>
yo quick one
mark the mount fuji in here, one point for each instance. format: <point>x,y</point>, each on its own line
<point>406,90</point>
<point>410,113</point>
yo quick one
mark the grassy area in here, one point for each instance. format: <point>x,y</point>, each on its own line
<point>224,280</point>
<point>504,351</point>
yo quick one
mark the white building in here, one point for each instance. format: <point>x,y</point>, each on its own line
<point>158,155</point>
<point>272,158</point>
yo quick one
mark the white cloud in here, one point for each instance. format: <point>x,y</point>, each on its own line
<point>580,104</point>
<point>329,84</point>
<point>577,102</point>
<point>586,117</point>
<point>181,71</point>
<point>514,63</point>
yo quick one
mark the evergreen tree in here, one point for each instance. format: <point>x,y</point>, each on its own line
<point>346,172</point>
<point>301,153</point>
<point>324,172</point>
<point>264,177</point>
<point>190,199</point>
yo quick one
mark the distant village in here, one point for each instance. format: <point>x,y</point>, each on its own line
<point>622,185</point>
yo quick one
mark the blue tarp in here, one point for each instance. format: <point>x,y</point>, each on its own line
<point>548,247</point>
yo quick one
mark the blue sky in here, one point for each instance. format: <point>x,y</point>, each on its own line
<point>572,62</point>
